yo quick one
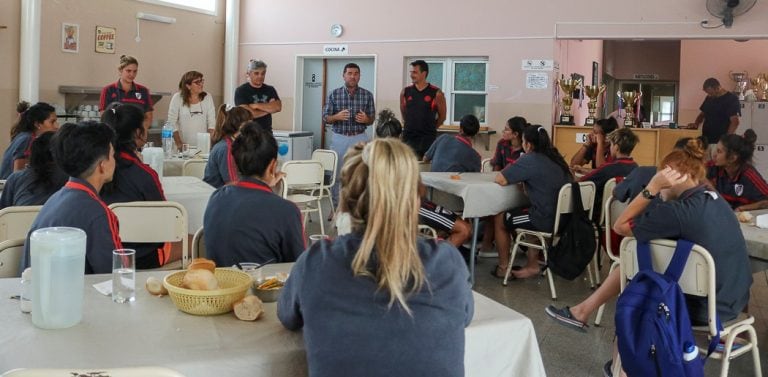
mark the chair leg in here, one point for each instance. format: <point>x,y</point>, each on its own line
<point>549,273</point>
<point>600,310</point>
<point>589,274</point>
<point>320,216</point>
<point>597,266</point>
<point>513,253</point>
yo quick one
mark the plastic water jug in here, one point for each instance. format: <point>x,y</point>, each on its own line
<point>167,137</point>
<point>204,142</point>
<point>58,281</point>
<point>154,157</point>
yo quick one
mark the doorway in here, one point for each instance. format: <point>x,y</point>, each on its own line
<point>658,102</point>
<point>316,77</point>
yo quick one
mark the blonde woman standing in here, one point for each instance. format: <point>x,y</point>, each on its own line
<point>380,301</point>
<point>127,90</point>
<point>191,110</point>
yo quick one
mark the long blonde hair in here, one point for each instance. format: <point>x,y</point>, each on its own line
<point>380,193</point>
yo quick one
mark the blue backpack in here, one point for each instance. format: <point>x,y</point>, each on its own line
<point>652,323</point>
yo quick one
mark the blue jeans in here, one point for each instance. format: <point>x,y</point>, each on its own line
<point>340,144</point>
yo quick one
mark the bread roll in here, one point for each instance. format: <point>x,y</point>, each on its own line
<point>201,280</point>
<point>744,216</point>
<point>202,263</point>
<point>249,308</point>
<point>155,286</point>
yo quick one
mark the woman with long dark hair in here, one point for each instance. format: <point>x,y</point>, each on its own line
<point>33,122</point>
<point>221,168</point>
<point>542,171</point>
<point>34,185</point>
<point>733,175</point>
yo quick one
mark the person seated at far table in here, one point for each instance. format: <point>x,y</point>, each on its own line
<point>35,184</point>
<point>594,150</point>
<point>690,211</point>
<point>541,171</point>
<point>33,122</point>
<point>245,221</point>
<point>454,153</point>
<point>380,301</point>
<point>133,181</point>
<point>220,168</point>
<point>621,142</point>
<point>84,151</point>
<point>510,145</point>
<point>732,174</point>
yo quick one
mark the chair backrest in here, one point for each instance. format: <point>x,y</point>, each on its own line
<point>154,222</point>
<point>281,188</point>
<point>607,192</point>
<point>485,165</point>
<point>10,258</point>
<point>194,168</point>
<point>15,222</point>
<point>611,211</point>
<point>564,205</point>
<point>425,166</point>
<point>698,277</point>
<point>329,159</point>
<point>113,372</point>
<point>303,173</point>
<point>2,184</point>
<point>198,244</point>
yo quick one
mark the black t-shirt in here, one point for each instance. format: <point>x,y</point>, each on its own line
<point>717,115</point>
<point>420,111</point>
<point>246,94</point>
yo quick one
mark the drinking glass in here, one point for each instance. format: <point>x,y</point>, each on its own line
<point>123,275</point>
<point>314,238</point>
<point>252,269</point>
<point>185,150</point>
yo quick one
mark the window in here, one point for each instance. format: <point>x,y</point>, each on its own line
<point>201,6</point>
<point>464,82</point>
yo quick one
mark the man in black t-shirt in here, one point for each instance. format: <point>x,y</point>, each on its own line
<point>262,99</point>
<point>422,106</point>
<point>719,113</point>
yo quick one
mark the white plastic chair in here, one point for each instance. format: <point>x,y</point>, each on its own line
<point>194,168</point>
<point>10,258</point>
<point>95,372</point>
<point>607,189</point>
<point>698,279</point>
<point>485,165</point>
<point>301,177</point>
<point>543,240</point>
<point>2,184</point>
<point>154,222</point>
<point>611,211</point>
<point>328,158</point>
<point>15,222</point>
<point>198,244</point>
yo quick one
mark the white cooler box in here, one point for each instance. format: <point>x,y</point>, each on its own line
<point>293,145</point>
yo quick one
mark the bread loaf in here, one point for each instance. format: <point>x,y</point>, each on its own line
<point>202,263</point>
<point>744,216</point>
<point>155,286</point>
<point>201,280</point>
<point>249,308</point>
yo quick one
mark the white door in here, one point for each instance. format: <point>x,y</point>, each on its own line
<point>320,77</point>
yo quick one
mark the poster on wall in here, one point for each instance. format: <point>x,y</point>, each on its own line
<point>70,37</point>
<point>105,39</point>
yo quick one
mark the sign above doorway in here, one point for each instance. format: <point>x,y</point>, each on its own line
<point>645,76</point>
<point>335,50</point>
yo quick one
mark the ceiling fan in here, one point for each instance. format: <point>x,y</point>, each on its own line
<point>726,10</point>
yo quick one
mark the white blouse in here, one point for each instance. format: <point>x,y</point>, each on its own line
<point>189,120</point>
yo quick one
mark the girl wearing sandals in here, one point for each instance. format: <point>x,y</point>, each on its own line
<point>542,171</point>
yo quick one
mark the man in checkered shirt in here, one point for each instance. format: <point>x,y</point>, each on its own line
<point>349,110</point>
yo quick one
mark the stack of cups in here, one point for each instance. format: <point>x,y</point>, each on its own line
<point>204,142</point>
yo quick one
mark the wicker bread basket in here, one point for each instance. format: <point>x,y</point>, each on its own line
<point>233,285</point>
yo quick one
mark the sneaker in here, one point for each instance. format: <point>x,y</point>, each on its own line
<point>607,369</point>
<point>565,317</point>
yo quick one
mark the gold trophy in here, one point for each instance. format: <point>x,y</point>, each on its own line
<point>568,86</point>
<point>759,86</point>
<point>629,99</point>
<point>740,78</point>
<point>593,92</point>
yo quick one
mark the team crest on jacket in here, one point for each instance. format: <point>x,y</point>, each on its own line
<point>739,188</point>
<point>138,95</point>
<point>427,98</point>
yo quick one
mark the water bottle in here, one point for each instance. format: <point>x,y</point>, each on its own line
<point>25,298</point>
<point>168,147</point>
<point>690,351</point>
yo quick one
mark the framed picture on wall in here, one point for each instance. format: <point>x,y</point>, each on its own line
<point>105,39</point>
<point>70,37</point>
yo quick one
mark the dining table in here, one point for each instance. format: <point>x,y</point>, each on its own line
<point>151,331</point>
<point>477,195</point>
<point>757,241</point>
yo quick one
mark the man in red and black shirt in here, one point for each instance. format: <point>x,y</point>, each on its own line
<point>422,106</point>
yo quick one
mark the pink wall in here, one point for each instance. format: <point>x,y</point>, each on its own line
<point>625,58</point>
<point>577,57</point>
<point>700,60</point>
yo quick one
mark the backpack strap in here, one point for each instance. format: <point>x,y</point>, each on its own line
<point>644,256</point>
<point>576,203</point>
<point>679,258</point>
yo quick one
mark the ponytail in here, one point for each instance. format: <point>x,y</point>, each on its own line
<point>538,137</point>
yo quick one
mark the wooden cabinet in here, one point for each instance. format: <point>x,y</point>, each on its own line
<point>654,143</point>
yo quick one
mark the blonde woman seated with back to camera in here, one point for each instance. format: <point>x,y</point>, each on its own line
<point>380,301</point>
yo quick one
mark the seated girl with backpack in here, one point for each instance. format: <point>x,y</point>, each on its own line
<point>542,189</point>
<point>690,211</point>
<point>732,174</point>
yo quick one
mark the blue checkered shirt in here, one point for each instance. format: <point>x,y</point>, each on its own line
<point>339,100</point>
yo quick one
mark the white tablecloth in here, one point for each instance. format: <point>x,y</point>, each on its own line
<point>192,193</point>
<point>480,194</point>
<point>152,332</point>
<point>172,167</point>
<point>757,242</point>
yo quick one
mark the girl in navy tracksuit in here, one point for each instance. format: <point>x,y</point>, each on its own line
<point>542,171</point>
<point>510,146</point>
<point>34,185</point>
<point>133,179</point>
<point>33,122</point>
<point>732,174</point>
<point>221,168</point>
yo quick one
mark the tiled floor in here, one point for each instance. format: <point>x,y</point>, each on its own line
<point>570,353</point>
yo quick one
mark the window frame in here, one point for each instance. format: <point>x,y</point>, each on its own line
<point>190,8</point>
<point>449,69</point>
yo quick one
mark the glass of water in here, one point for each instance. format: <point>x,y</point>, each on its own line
<point>123,275</point>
